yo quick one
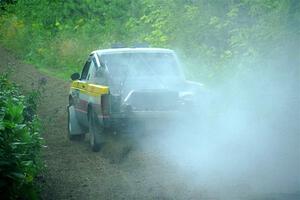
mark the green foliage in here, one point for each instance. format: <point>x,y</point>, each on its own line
<point>20,142</point>
<point>3,3</point>
<point>217,39</point>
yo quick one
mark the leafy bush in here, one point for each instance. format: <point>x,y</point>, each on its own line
<point>20,142</point>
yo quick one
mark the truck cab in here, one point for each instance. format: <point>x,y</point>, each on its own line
<point>123,86</point>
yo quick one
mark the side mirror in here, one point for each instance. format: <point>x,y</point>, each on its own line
<point>75,76</point>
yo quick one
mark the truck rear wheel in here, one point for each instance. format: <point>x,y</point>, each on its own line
<point>75,132</point>
<point>96,131</point>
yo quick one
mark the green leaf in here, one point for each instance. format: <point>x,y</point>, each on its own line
<point>2,126</point>
<point>16,175</point>
<point>4,163</point>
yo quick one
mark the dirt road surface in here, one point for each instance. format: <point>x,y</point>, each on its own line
<point>74,172</point>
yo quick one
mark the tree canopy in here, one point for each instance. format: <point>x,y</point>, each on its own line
<point>215,39</point>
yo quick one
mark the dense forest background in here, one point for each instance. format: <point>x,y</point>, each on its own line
<point>215,39</point>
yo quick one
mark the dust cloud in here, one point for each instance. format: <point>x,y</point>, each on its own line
<point>243,140</point>
<point>247,141</point>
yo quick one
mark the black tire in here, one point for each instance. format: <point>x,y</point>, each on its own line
<point>78,137</point>
<point>96,131</point>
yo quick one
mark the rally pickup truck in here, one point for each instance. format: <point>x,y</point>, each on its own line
<point>120,87</point>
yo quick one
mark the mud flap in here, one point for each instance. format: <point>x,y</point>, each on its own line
<point>73,126</point>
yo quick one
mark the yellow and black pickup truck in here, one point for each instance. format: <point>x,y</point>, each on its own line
<point>121,87</point>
